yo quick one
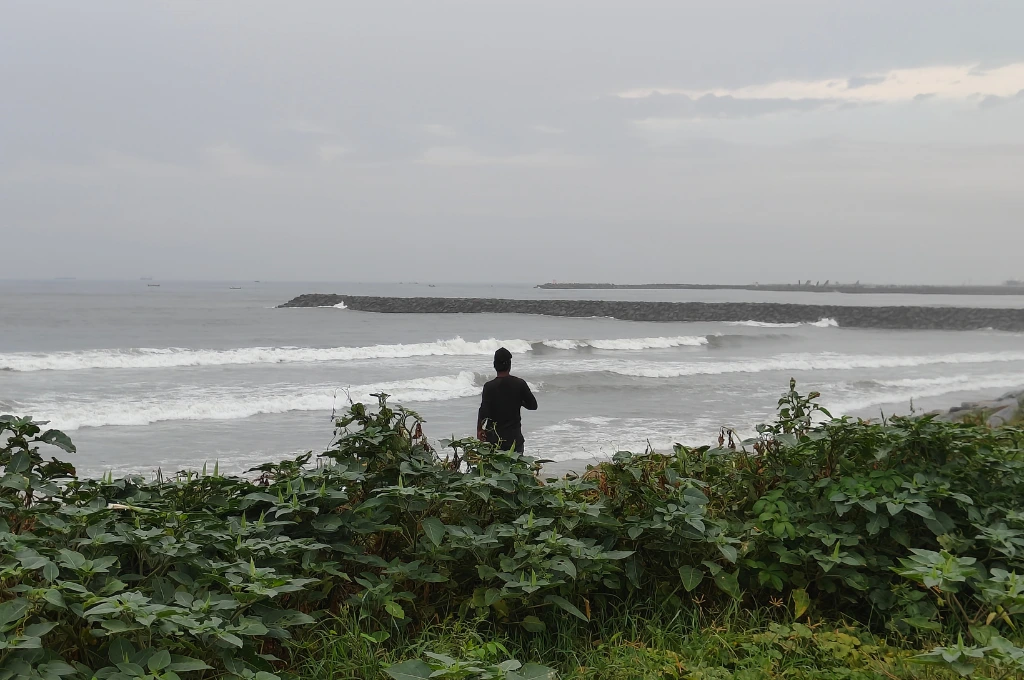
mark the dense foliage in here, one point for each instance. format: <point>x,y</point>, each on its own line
<point>910,527</point>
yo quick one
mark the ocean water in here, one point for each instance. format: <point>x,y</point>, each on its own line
<point>172,376</point>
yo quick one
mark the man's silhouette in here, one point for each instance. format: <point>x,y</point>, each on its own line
<point>499,421</point>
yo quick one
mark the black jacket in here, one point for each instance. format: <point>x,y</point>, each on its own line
<point>500,406</point>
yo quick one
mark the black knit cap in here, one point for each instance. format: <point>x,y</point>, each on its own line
<point>502,360</point>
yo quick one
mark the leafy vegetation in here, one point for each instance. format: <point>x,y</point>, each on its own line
<point>819,534</point>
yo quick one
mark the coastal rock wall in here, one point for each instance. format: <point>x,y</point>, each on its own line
<point>994,413</point>
<point>936,318</point>
<point>1009,288</point>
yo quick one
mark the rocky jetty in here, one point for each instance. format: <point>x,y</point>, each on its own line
<point>994,413</point>
<point>1008,288</point>
<point>932,318</point>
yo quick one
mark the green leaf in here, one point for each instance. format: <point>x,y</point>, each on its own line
<point>922,623</point>
<point>534,625</point>
<point>132,670</point>
<point>159,661</point>
<point>51,572</point>
<point>13,610</point>
<point>564,565</point>
<point>922,509</point>
<point>14,481</point>
<point>567,606</point>
<point>787,440</point>
<point>120,651</point>
<point>73,559</point>
<point>40,629</point>
<point>57,668</point>
<point>58,439</point>
<point>28,642</point>
<point>54,597</point>
<point>410,670</point>
<point>728,551</point>
<point>617,554</point>
<point>443,658</point>
<point>691,577</point>
<point>801,601</point>
<point>232,640</point>
<point>184,664</point>
<point>395,609</point>
<point>531,671</point>
<point>714,568</point>
<point>634,571</point>
<point>434,529</point>
<point>20,462</point>
<point>115,625</point>
<point>728,584</point>
<point>984,634</point>
<point>263,675</point>
<point>491,595</point>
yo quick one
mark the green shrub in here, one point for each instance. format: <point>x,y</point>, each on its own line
<point>909,526</point>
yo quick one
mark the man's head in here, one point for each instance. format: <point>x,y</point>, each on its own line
<point>503,361</point>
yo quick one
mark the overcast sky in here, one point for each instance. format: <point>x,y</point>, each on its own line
<point>526,140</point>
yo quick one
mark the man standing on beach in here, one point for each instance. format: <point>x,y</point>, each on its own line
<point>499,420</point>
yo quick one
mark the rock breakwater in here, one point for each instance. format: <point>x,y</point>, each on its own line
<point>933,318</point>
<point>1009,288</point>
<point>994,413</point>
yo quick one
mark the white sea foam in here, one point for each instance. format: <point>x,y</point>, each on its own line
<point>564,344</point>
<point>953,381</point>
<point>649,343</point>
<point>598,438</point>
<point>174,357</point>
<point>236,403</point>
<point>821,323</point>
<point>630,344</point>
<point>903,391</point>
<point>799,362</point>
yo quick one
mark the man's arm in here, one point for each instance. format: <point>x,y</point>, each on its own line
<point>483,414</point>
<point>529,401</point>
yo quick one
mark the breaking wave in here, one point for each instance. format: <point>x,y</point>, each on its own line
<point>629,343</point>
<point>236,403</point>
<point>599,438</point>
<point>175,357</point>
<point>821,323</point>
<point>803,362</point>
<point>903,391</point>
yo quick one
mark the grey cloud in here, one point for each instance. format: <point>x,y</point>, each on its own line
<point>993,101</point>
<point>861,81</point>
<point>191,135</point>
<point>730,106</point>
<point>710,105</point>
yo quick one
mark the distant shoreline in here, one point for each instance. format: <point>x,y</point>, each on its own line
<point>1015,288</point>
